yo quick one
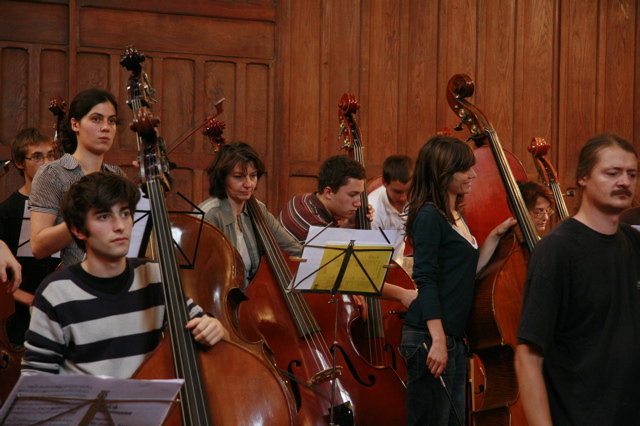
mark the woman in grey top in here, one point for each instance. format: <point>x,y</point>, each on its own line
<point>88,133</point>
<point>233,178</point>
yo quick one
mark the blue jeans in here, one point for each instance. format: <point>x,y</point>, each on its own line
<point>427,400</point>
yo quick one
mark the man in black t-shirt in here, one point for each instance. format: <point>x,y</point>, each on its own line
<point>30,149</point>
<point>579,333</point>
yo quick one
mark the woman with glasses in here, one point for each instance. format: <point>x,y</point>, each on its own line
<point>539,201</point>
<point>87,131</point>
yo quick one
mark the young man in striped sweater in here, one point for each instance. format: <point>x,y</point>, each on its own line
<point>106,315</point>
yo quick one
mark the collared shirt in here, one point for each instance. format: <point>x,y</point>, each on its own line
<point>387,217</point>
<point>49,185</point>
<point>218,212</point>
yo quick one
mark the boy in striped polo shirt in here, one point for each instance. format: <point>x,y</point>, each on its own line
<point>106,315</point>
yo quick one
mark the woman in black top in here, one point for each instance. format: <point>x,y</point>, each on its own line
<point>447,259</point>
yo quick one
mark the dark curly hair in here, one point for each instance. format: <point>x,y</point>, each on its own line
<point>337,170</point>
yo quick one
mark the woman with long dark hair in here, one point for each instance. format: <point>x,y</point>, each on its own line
<point>447,258</point>
<point>88,133</point>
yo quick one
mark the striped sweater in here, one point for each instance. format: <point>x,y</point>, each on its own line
<point>302,212</point>
<point>76,329</point>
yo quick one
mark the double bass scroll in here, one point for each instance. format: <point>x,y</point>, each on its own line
<point>538,149</point>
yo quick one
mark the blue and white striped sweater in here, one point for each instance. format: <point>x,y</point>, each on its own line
<point>75,329</point>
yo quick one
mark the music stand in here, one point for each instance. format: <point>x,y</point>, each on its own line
<point>77,400</point>
<point>344,261</point>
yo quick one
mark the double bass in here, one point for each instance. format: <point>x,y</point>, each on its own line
<point>377,338</point>
<point>538,149</point>
<point>225,384</point>
<point>9,357</point>
<point>344,390</point>
<point>495,313</point>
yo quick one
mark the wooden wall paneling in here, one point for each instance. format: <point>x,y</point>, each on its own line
<point>219,82</point>
<point>53,82</point>
<point>257,126</point>
<point>93,71</point>
<point>578,70</point>
<point>617,67</point>
<point>302,118</point>
<point>33,85</point>
<point>418,110</point>
<point>177,111</point>
<point>457,28</point>
<point>171,33</point>
<point>14,81</point>
<point>15,91</point>
<point>535,67</point>
<point>34,22</point>
<point>341,72</point>
<point>178,105</point>
<point>300,185</point>
<point>495,71</point>
<point>380,114</point>
<point>240,102</point>
<point>256,10</point>
<point>281,96</point>
<point>305,92</point>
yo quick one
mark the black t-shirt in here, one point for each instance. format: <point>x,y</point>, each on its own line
<point>582,308</point>
<point>12,212</point>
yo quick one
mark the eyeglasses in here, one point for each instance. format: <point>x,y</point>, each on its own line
<point>39,158</point>
<point>538,213</point>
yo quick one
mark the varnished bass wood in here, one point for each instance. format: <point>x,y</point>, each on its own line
<point>297,328</point>
<point>9,358</point>
<point>220,383</point>
<point>495,312</point>
<point>378,338</point>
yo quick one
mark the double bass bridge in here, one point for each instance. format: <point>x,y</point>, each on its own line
<point>324,375</point>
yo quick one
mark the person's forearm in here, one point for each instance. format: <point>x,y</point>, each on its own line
<point>23,297</point>
<point>533,391</point>
<point>399,294</point>
<point>50,240</point>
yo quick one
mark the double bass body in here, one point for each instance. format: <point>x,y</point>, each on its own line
<point>297,328</point>
<point>243,386</point>
<point>495,313</point>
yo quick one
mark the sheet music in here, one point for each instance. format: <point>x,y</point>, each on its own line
<point>355,281</point>
<point>129,401</point>
<point>24,242</point>
<point>139,224</point>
